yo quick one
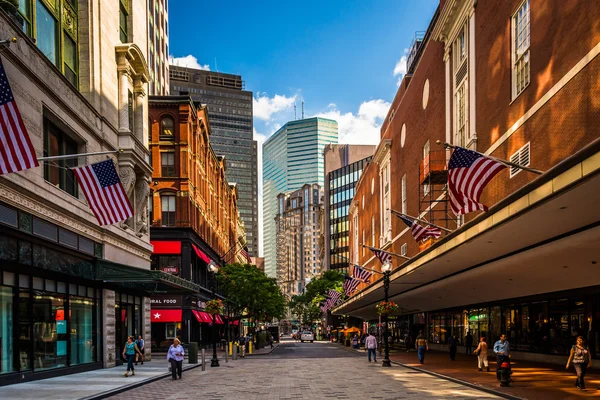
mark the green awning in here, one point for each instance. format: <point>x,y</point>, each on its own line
<point>143,279</point>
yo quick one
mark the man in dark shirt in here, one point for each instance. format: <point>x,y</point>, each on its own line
<point>452,345</point>
<point>468,343</point>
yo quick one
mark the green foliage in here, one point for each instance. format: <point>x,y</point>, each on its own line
<point>249,293</point>
<point>261,339</point>
<point>306,305</point>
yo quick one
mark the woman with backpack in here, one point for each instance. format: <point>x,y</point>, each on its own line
<point>580,357</point>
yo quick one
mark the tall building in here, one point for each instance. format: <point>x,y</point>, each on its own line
<point>292,157</point>
<point>193,212</point>
<point>299,230</point>
<point>230,116</point>
<point>158,46</point>
<point>344,164</point>
<point>527,265</point>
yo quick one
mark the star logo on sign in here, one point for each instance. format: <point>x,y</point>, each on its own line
<point>156,316</point>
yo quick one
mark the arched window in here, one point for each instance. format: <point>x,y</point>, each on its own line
<point>167,128</point>
<point>167,203</point>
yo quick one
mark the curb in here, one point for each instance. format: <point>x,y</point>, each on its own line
<point>265,354</point>
<point>122,389</point>
<point>451,379</point>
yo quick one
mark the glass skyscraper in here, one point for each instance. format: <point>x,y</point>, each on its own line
<point>292,157</point>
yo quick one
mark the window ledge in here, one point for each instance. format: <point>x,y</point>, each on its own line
<point>520,93</point>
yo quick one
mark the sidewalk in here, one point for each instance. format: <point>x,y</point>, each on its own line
<point>531,380</point>
<point>90,385</point>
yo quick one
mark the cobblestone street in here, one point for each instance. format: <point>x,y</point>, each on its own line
<point>304,371</point>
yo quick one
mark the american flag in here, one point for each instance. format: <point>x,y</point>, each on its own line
<point>468,173</point>
<point>361,274</point>
<point>350,285</point>
<point>420,233</point>
<point>16,150</point>
<point>245,254</point>
<point>333,298</point>
<point>104,192</point>
<point>383,256</point>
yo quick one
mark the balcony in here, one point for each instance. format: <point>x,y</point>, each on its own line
<point>433,169</point>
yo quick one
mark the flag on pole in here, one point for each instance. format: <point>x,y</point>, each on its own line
<point>383,256</point>
<point>333,298</point>
<point>245,254</point>
<point>16,150</point>
<point>104,192</point>
<point>361,274</point>
<point>468,174</point>
<point>350,285</point>
<point>418,232</point>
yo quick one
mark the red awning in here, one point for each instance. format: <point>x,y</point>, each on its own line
<point>203,317</point>
<point>234,323</point>
<point>165,315</point>
<point>218,320</point>
<point>201,254</point>
<point>166,247</point>
<point>197,315</point>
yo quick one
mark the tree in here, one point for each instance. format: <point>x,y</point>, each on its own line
<point>249,293</point>
<point>306,306</point>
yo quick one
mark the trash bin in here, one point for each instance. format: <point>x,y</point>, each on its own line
<point>193,353</point>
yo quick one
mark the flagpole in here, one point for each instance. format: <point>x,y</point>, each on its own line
<point>421,220</point>
<point>385,251</point>
<point>68,156</point>
<point>508,163</point>
<point>7,42</point>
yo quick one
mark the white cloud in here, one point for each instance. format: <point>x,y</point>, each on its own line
<point>264,107</point>
<point>362,127</point>
<point>188,61</point>
<point>401,68</point>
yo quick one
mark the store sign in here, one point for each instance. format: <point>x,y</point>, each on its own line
<point>167,301</point>
<point>200,305</point>
<point>170,270</point>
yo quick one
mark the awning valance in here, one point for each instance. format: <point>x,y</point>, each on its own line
<point>165,315</point>
<point>166,247</point>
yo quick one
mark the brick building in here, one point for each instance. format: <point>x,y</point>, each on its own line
<point>519,83</point>
<point>194,215</point>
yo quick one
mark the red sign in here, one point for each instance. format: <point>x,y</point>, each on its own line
<point>166,247</point>
<point>170,270</point>
<point>165,315</point>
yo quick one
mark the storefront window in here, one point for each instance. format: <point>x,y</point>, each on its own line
<point>495,324</point>
<point>49,331</point>
<point>24,328</point>
<point>83,347</point>
<point>540,332</point>
<point>559,326</point>
<point>6,329</point>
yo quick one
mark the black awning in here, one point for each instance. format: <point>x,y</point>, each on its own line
<point>145,280</point>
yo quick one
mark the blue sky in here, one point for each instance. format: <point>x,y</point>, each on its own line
<point>343,58</point>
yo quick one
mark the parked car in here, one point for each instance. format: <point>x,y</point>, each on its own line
<point>307,336</point>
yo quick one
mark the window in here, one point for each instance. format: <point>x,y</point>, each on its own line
<point>386,227</point>
<point>53,25</point>
<point>426,150</point>
<point>459,51</point>
<point>57,143</point>
<point>355,244</point>
<point>168,210</point>
<point>166,128</point>
<point>404,194</point>
<point>363,241</point>
<point>167,163</point>
<point>123,17</point>
<point>403,249</point>
<point>520,48</point>
<point>521,157</point>
<point>373,231</point>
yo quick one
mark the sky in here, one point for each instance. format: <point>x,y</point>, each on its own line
<point>343,58</point>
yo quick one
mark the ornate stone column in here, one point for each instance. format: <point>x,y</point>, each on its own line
<point>109,328</point>
<point>123,99</point>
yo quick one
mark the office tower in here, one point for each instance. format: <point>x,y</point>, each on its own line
<point>158,47</point>
<point>292,157</point>
<point>230,117</point>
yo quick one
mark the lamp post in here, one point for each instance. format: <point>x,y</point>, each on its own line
<point>386,268</point>
<point>212,267</point>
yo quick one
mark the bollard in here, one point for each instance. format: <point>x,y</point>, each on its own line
<point>203,359</point>
<point>226,354</point>
<point>250,348</point>
<point>230,348</point>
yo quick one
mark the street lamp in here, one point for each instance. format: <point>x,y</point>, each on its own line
<point>213,267</point>
<point>386,268</point>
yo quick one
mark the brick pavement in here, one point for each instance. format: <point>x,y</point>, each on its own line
<point>326,377</point>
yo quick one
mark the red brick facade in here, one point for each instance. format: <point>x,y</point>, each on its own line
<point>203,199</point>
<point>557,113</point>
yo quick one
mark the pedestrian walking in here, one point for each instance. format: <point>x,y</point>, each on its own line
<point>452,346</point>
<point>502,351</point>
<point>422,346</point>
<point>271,341</point>
<point>140,344</point>
<point>129,352</point>
<point>355,342</point>
<point>371,345</point>
<point>468,343</point>
<point>242,343</point>
<point>580,357</point>
<point>175,357</point>
<point>481,352</point>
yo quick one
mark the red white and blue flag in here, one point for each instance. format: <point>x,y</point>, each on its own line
<point>382,255</point>
<point>245,254</point>
<point>104,192</point>
<point>333,298</point>
<point>361,274</point>
<point>419,232</point>
<point>468,174</point>
<point>16,150</point>
<point>350,285</point>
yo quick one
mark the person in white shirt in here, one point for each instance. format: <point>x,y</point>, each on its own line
<point>371,346</point>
